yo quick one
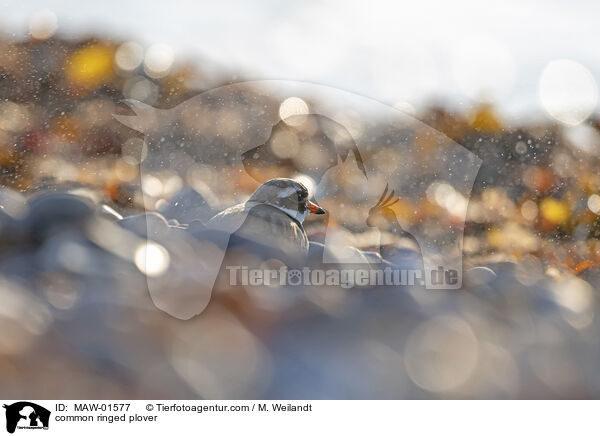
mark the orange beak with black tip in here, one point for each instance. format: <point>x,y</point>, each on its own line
<point>314,208</point>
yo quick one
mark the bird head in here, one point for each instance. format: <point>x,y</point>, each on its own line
<point>287,195</point>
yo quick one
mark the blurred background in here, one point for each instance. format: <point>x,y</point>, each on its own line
<point>513,82</point>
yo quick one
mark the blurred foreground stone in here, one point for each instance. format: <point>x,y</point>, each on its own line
<point>78,322</point>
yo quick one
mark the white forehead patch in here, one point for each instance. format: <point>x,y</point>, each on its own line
<point>287,192</point>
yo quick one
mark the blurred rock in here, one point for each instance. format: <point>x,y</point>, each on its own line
<point>53,213</point>
<point>189,204</point>
<point>13,214</point>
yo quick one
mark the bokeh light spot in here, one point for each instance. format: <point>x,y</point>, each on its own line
<point>129,56</point>
<point>152,259</point>
<point>43,24</point>
<point>159,60</point>
<point>293,106</point>
<point>568,91</point>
